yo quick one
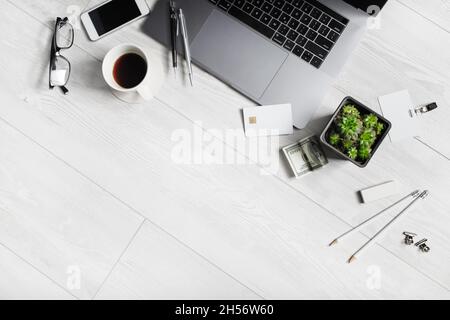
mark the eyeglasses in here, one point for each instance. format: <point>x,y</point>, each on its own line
<point>59,71</point>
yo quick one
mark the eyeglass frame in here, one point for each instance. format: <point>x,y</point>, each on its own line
<point>55,53</point>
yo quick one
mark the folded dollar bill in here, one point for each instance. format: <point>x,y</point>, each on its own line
<point>305,156</point>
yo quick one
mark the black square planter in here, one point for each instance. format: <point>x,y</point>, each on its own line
<point>363,110</point>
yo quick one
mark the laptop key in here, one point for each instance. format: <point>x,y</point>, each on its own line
<point>298,51</point>
<point>333,36</point>
<point>292,35</point>
<point>248,8</point>
<point>257,13</point>
<point>265,18</point>
<point>274,24</point>
<point>296,14</point>
<point>225,5</point>
<point>305,19</point>
<point>278,38</point>
<point>307,56</point>
<point>297,3</point>
<point>324,30</point>
<point>267,7</point>
<point>283,29</point>
<point>293,24</point>
<point>257,3</point>
<point>324,43</point>
<point>316,13</point>
<point>289,45</point>
<point>318,51</point>
<point>301,41</point>
<point>311,34</point>
<point>278,3</point>
<point>275,13</point>
<point>251,22</point>
<point>324,19</point>
<point>285,18</point>
<point>336,26</point>
<point>314,25</point>
<point>302,29</point>
<point>316,62</point>
<point>288,8</point>
<point>307,7</point>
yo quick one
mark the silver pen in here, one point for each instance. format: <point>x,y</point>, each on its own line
<point>187,50</point>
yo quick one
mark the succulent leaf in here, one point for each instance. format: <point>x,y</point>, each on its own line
<point>352,153</point>
<point>370,121</point>
<point>379,128</point>
<point>364,152</point>
<point>367,137</point>
<point>335,139</point>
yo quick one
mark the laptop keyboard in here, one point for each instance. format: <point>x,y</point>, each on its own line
<point>308,28</point>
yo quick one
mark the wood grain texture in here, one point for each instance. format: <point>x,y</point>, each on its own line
<point>262,230</point>
<point>150,270</point>
<point>57,220</point>
<point>20,281</point>
<point>436,11</point>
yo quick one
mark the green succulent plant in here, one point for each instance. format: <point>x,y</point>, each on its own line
<point>352,153</point>
<point>350,126</point>
<point>367,137</point>
<point>379,128</point>
<point>355,133</point>
<point>350,110</point>
<point>347,144</point>
<point>370,121</point>
<point>364,152</point>
<point>335,139</point>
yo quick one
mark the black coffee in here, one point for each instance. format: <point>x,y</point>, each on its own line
<point>129,70</point>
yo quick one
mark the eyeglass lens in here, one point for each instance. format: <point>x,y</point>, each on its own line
<point>60,71</point>
<point>64,35</point>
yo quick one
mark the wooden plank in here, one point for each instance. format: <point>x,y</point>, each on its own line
<point>257,229</point>
<point>57,220</point>
<point>149,270</point>
<point>20,281</point>
<point>437,11</point>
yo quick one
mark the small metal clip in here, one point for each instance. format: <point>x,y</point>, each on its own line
<point>422,245</point>
<point>409,238</point>
<point>426,108</point>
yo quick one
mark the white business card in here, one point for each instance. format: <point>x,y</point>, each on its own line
<point>268,120</point>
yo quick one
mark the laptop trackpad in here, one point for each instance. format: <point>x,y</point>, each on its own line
<point>238,55</point>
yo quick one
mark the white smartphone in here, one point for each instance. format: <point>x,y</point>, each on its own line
<point>112,15</point>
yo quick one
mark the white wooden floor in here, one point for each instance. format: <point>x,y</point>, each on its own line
<point>92,207</point>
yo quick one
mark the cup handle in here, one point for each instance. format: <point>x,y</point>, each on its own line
<point>145,92</point>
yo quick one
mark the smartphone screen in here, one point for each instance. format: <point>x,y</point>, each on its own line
<point>113,14</point>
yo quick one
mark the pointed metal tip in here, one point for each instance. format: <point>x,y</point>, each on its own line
<point>335,241</point>
<point>424,194</point>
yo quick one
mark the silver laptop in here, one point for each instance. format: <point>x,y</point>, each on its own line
<point>272,51</point>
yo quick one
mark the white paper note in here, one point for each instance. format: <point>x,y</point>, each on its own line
<point>398,109</point>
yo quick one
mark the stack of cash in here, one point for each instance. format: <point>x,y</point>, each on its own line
<point>305,156</point>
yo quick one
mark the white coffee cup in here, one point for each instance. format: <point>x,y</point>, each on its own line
<point>144,87</point>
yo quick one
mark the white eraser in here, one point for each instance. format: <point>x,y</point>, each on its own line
<point>379,191</point>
